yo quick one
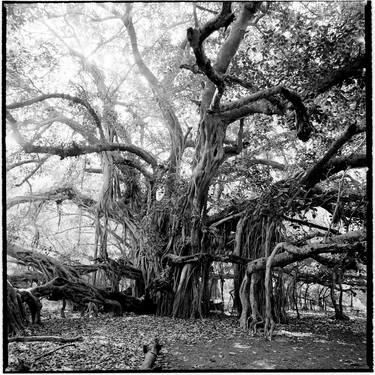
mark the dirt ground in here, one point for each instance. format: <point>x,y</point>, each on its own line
<point>306,344</point>
<point>313,342</point>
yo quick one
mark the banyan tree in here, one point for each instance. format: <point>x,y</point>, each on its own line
<point>201,144</point>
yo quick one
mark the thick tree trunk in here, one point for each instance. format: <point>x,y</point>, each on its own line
<point>209,151</point>
<point>33,303</point>
<point>16,317</point>
<point>205,292</point>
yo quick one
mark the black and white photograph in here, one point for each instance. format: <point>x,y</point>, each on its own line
<point>187,187</point>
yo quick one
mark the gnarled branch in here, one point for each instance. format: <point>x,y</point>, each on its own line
<point>240,108</point>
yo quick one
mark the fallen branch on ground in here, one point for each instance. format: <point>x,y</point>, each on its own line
<point>44,338</point>
<point>150,355</point>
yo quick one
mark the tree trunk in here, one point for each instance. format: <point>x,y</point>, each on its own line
<point>294,297</point>
<point>16,316</point>
<point>238,269</point>
<point>256,317</point>
<point>209,155</point>
<point>244,296</point>
<point>305,298</point>
<point>34,304</point>
<point>339,315</point>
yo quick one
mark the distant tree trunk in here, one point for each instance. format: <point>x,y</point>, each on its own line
<point>238,269</point>
<point>305,297</point>
<point>339,315</point>
<point>295,298</point>
<point>62,311</point>
<point>341,293</point>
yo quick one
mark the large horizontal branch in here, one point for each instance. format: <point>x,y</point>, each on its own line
<point>239,108</point>
<point>57,195</point>
<point>319,170</point>
<point>260,106</point>
<point>73,99</point>
<point>77,150</point>
<point>201,257</point>
<point>324,278</point>
<point>262,94</point>
<point>336,77</point>
<point>339,164</point>
<point>294,253</point>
